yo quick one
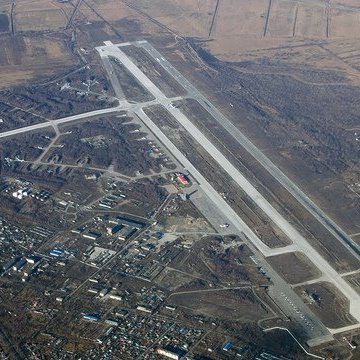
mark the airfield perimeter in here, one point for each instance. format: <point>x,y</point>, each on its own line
<point>213,205</point>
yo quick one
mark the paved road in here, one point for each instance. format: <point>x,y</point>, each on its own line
<point>287,183</point>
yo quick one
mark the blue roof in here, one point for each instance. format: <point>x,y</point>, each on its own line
<point>54,253</point>
<point>227,346</point>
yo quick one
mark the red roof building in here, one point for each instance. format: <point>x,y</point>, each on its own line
<point>182,178</point>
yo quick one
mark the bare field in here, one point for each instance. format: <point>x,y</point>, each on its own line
<point>247,19</point>
<point>186,17</point>
<point>327,303</point>
<point>24,59</point>
<point>344,24</point>
<point>237,305</point>
<point>311,21</point>
<point>294,267</point>
<point>41,15</point>
<point>283,19</point>
<point>39,20</point>
<point>111,10</point>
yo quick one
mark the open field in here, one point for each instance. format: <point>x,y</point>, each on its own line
<point>294,267</point>
<point>24,59</point>
<point>38,20</point>
<point>327,303</point>
<point>188,18</point>
<point>41,15</point>
<point>236,305</point>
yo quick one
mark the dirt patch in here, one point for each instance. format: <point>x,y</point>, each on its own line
<point>238,305</point>
<point>40,20</point>
<point>24,59</point>
<point>294,267</point>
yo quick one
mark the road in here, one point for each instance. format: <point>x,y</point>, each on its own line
<point>286,182</point>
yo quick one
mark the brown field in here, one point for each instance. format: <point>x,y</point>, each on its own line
<point>311,21</point>
<point>294,267</point>
<point>111,10</point>
<point>282,19</point>
<point>332,308</point>
<point>237,305</point>
<point>24,59</point>
<point>41,15</point>
<point>186,17</point>
<point>39,20</point>
<point>344,24</point>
